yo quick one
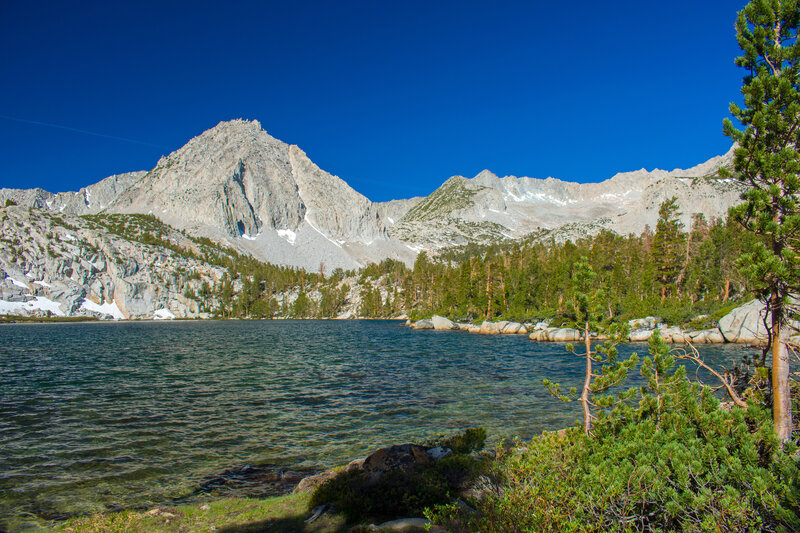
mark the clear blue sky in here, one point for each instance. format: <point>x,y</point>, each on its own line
<point>393,97</point>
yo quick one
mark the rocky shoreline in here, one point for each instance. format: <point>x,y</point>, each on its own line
<point>743,325</point>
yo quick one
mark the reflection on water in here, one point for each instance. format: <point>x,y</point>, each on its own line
<point>107,415</point>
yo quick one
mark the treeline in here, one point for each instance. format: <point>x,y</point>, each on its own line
<point>673,271</point>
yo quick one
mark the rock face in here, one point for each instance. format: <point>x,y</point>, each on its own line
<point>488,208</point>
<point>87,201</point>
<point>745,324</point>
<point>237,185</point>
<point>70,266</point>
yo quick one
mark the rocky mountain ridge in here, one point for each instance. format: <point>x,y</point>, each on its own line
<point>241,187</point>
<point>487,208</point>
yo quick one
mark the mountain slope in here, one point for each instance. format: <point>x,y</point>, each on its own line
<point>235,183</point>
<point>487,208</point>
<point>239,186</point>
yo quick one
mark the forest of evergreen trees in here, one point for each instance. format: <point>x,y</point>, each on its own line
<point>671,271</point>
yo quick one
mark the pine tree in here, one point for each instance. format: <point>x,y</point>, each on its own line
<point>589,309</point>
<point>768,161</point>
<point>667,246</point>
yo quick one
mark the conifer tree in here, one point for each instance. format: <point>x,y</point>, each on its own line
<point>667,245</point>
<point>591,304</point>
<point>768,161</point>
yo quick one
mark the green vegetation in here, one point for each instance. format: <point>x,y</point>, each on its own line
<point>280,514</point>
<point>451,196</point>
<point>403,492</point>
<point>671,273</point>
<point>674,460</point>
<point>589,314</point>
<point>768,161</point>
<point>533,279</point>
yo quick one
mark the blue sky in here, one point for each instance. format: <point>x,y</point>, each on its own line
<point>393,97</point>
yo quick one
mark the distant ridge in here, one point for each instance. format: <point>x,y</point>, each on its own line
<point>239,186</point>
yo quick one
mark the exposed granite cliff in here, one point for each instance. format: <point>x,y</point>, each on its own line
<point>240,186</point>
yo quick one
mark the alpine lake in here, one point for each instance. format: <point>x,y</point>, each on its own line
<point>102,416</point>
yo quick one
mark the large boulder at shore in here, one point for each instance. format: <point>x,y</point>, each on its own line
<point>641,335</point>
<point>442,323</point>
<point>563,335</point>
<point>492,328</point>
<point>425,323</point>
<point>406,457</point>
<point>705,336</point>
<point>513,328</point>
<point>672,334</point>
<point>745,324</point>
<point>555,335</point>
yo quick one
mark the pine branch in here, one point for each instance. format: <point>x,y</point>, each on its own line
<point>695,357</point>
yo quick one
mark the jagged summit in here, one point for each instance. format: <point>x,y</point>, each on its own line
<point>236,184</point>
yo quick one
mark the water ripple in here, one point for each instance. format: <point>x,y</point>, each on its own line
<point>99,416</point>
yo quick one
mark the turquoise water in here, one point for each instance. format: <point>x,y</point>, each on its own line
<point>100,416</point>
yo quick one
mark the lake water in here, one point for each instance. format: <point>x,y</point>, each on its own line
<point>99,416</point>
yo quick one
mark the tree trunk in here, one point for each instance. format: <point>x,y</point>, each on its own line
<point>489,291</point>
<point>587,415</point>
<point>781,398</point>
<point>727,290</point>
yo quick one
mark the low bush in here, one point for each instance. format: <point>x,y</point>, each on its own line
<point>676,461</point>
<point>405,493</point>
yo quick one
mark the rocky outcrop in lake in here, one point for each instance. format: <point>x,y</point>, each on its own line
<point>743,325</point>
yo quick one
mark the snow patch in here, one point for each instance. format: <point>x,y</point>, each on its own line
<point>391,220</point>
<point>43,284</point>
<point>38,304</point>
<point>163,314</point>
<point>105,309</point>
<point>16,282</point>
<point>614,196</point>
<point>537,197</point>
<point>69,237</point>
<point>250,237</point>
<point>288,234</point>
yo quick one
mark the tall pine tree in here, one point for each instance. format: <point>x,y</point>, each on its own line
<point>667,246</point>
<point>768,161</point>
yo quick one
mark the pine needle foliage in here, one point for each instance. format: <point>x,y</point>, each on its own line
<point>767,159</point>
<point>589,311</point>
<point>676,460</point>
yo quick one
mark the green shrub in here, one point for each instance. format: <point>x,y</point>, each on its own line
<point>675,461</point>
<point>472,440</point>
<point>405,493</point>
